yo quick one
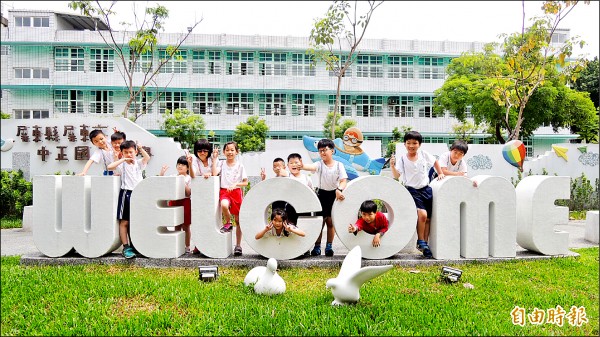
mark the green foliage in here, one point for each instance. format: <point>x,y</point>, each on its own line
<point>588,80</point>
<point>251,135</point>
<point>123,299</point>
<point>11,222</point>
<point>4,115</point>
<point>464,130</point>
<point>340,126</point>
<point>67,173</point>
<point>584,196</point>
<point>184,126</point>
<point>521,90</point>
<point>16,194</point>
<point>397,137</point>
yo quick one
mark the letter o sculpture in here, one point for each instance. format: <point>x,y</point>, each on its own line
<point>253,217</point>
<point>402,215</point>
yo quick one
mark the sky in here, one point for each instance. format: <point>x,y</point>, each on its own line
<point>464,21</point>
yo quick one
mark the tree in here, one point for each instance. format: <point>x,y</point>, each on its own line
<point>588,80</point>
<point>251,135</point>
<point>397,136</point>
<point>512,80</point>
<point>328,125</point>
<point>185,126</point>
<point>464,130</point>
<point>330,32</point>
<point>133,48</point>
<point>469,84</point>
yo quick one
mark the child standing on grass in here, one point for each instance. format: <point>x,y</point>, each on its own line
<point>131,174</point>
<point>233,177</point>
<point>183,169</point>
<point>332,181</point>
<point>279,226</point>
<point>370,221</point>
<point>104,153</point>
<point>412,167</point>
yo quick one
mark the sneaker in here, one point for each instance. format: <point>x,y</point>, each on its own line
<point>128,252</point>
<point>237,251</point>
<point>424,247</point>
<point>188,250</point>
<point>226,228</point>
<point>316,251</point>
<point>328,249</point>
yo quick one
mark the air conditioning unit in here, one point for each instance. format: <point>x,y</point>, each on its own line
<point>393,100</point>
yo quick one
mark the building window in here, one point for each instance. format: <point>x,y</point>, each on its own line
<point>68,59</point>
<point>101,102</point>
<point>32,21</point>
<point>369,66</point>
<point>102,60</point>
<point>431,68</point>
<point>31,114</point>
<point>239,63</point>
<point>341,61</point>
<point>425,107</point>
<point>32,73</point>
<point>401,106</point>
<point>4,50</point>
<point>177,63</point>
<point>206,62</point>
<point>206,103</point>
<point>345,107</point>
<point>240,103</point>
<point>272,64</point>
<point>401,67</point>
<point>171,101</point>
<point>142,104</point>
<point>272,104</point>
<point>143,62</point>
<point>303,105</point>
<point>68,101</point>
<point>369,106</point>
<point>301,65</point>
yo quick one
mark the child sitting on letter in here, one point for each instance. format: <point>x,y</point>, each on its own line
<point>371,221</point>
<point>104,153</point>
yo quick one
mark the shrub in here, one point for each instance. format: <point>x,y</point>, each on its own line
<point>584,196</point>
<point>16,194</point>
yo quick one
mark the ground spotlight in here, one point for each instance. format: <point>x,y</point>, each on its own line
<point>451,274</point>
<point>208,273</point>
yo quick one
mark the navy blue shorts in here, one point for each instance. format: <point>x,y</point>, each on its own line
<point>326,198</point>
<point>123,208</point>
<point>423,198</point>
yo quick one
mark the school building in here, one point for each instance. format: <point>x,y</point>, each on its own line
<point>54,65</point>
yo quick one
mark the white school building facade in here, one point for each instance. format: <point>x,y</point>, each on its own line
<point>54,65</point>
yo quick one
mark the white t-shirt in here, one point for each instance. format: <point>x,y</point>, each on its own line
<point>231,175</point>
<point>131,174</point>
<point>414,173</point>
<point>460,166</point>
<point>303,178</point>
<point>329,177</point>
<point>104,157</point>
<point>199,168</point>
<point>187,179</point>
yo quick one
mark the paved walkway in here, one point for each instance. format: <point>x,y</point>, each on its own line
<point>20,242</point>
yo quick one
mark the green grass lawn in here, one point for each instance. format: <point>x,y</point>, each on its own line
<point>129,300</point>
